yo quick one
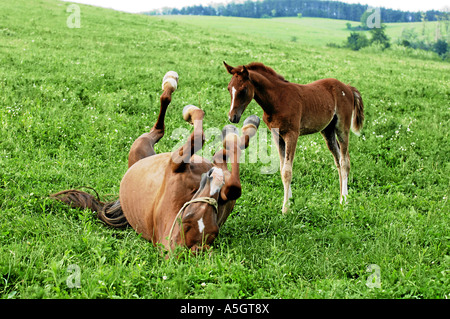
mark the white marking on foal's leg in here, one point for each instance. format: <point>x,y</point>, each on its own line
<point>201,225</point>
<point>344,175</point>
<point>286,177</point>
<point>344,190</point>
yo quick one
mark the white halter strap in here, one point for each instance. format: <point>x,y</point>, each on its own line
<point>209,200</point>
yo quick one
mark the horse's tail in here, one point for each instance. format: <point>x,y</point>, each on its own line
<point>110,213</point>
<point>358,112</point>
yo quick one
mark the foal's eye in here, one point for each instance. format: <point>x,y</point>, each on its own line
<point>243,92</point>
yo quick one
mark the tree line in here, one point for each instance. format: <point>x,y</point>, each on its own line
<point>291,8</point>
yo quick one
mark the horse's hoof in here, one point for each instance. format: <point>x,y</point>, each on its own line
<point>170,80</point>
<point>252,120</point>
<point>230,135</point>
<point>188,111</point>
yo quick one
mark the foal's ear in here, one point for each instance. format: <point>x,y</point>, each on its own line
<point>244,72</point>
<point>228,67</point>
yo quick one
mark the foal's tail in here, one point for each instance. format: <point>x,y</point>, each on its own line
<point>358,112</point>
<point>110,213</point>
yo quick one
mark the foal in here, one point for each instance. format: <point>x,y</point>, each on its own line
<point>327,106</point>
<point>175,198</point>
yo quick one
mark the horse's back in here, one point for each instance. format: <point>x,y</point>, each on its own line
<point>328,84</point>
<point>320,101</point>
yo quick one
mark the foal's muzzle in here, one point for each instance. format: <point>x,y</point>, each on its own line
<point>234,119</point>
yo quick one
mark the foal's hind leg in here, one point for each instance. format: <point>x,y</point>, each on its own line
<point>329,134</point>
<point>344,162</point>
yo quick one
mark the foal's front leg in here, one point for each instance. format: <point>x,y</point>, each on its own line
<point>290,141</point>
<point>281,146</point>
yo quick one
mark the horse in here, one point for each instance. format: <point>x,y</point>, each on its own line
<point>290,110</point>
<point>176,198</point>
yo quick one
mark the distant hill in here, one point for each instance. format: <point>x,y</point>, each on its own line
<point>290,8</point>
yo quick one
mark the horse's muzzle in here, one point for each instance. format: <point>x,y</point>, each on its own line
<point>197,249</point>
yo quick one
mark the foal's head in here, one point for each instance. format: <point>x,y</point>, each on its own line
<point>199,227</point>
<point>241,90</point>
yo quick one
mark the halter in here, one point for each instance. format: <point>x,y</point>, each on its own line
<point>209,200</point>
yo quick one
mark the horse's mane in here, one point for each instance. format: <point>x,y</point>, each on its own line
<point>261,68</point>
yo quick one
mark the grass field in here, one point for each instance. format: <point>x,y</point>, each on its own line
<point>309,31</point>
<point>72,101</point>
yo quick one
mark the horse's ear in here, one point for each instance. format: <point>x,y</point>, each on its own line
<point>228,67</point>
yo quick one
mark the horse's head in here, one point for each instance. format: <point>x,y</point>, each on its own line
<point>241,90</point>
<point>199,220</point>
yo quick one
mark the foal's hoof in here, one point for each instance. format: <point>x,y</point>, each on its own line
<point>170,80</point>
<point>343,200</point>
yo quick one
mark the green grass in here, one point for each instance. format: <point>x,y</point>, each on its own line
<point>73,100</point>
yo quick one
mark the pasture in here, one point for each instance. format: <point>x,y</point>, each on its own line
<point>73,100</point>
<point>308,31</point>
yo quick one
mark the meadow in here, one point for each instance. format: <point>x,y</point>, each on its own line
<point>308,31</point>
<point>72,101</point>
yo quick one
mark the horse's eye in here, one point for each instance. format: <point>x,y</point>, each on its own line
<point>187,228</point>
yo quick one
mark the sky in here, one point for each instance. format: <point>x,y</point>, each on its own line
<point>135,6</point>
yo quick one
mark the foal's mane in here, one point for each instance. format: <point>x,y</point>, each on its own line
<point>261,68</point>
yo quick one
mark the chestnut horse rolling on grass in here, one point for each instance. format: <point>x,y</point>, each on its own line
<point>176,198</point>
<point>327,106</point>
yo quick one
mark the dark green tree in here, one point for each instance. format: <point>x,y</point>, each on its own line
<point>379,36</point>
<point>357,41</point>
<point>440,47</point>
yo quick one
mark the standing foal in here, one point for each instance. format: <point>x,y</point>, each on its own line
<point>327,106</point>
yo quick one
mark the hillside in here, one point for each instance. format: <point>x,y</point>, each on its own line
<point>309,31</point>
<point>74,99</point>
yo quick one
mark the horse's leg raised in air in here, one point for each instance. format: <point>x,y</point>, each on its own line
<point>143,146</point>
<point>181,157</point>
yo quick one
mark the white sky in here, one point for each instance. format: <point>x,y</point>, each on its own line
<point>147,5</point>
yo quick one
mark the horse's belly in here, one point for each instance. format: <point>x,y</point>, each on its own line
<point>138,190</point>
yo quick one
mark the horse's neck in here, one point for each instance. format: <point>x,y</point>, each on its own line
<point>266,93</point>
